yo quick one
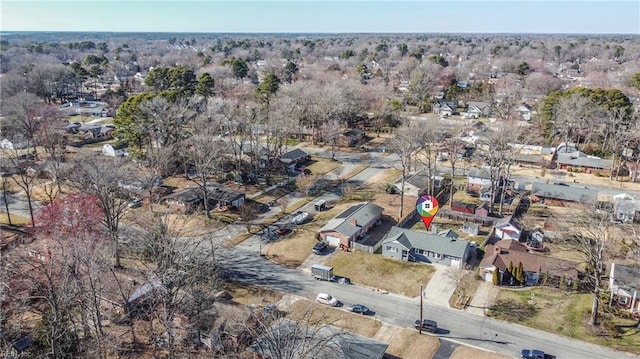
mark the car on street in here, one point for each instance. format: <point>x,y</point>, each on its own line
<point>531,354</point>
<point>358,308</point>
<point>283,231</point>
<point>426,325</point>
<point>319,247</point>
<point>301,217</point>
<point>135,203</point>
<point>327,299</point>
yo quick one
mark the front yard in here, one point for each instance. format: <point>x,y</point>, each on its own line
<point>555,311</point>
<point>376,271</point>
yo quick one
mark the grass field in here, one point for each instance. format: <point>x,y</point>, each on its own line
<point>409,344</point>
<point>556,311</point>
<point>375,271</point>
<point>16,220</point>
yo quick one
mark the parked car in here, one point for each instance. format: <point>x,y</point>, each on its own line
<point>531,354</point>
<point>327,299</point>
<point>135,203</point>
<point>301,217</point>
<point>426,325</point>
<point>358,308</point>
<point>320,247</point>
<point>283,231</point>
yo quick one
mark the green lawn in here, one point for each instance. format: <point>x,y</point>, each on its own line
<point>566,314</point>
<point>376,271</point>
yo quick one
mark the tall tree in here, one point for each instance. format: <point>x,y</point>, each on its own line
<point>205,85</point>
<point>110,183</point>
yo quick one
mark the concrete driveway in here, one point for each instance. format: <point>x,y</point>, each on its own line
<point>440,288</point>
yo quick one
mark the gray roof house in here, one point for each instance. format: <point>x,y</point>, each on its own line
<point>477,110</point>
<point>414,185</point>
<point>581,160</point>
<point>408,245</point>
<point>562,195</point>
<point>323,342</point>
<point>294,157</point>
<point>192,198</point>
<point>624,282</point>
<point>445,108</point>
<point>627,210</point>
<point>351,224</point>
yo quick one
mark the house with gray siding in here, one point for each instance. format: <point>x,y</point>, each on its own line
<point>560,195</point>
<point>408,245</point>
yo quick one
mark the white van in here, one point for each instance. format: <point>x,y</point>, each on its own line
<point>327,299</point>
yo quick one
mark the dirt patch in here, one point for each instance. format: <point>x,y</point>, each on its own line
<point>409,344</point>
<point>464,352</point>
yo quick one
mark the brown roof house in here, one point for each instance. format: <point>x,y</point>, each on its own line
<point>500,255</point>
<point>351,225</point>
<point>624,283</point>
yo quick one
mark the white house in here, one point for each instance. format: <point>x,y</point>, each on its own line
<point>115,150</point>
<point>507,228</point>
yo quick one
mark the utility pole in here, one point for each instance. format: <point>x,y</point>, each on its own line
<point>420,324</point>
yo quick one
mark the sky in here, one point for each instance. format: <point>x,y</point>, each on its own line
<point>337,16</point>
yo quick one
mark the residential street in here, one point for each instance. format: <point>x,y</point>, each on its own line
<point>460,326</point>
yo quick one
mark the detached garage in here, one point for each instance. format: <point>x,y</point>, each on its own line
<point>351,225</point>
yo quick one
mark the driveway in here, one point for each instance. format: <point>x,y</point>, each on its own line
<point>440,288</point>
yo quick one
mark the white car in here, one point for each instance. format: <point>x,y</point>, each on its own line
<point>327,299</point>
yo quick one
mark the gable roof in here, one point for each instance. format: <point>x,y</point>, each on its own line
<point>625,277</point>
<point>506,222</point>
<point>362,213</point>
<point>293,155</point>
<point>331,342</point>
<point>565,193</point>
<point>421,179</point>
<point>580,159</point>
<point>478,172</point>
<point>500,257</point>
<point>426,241</point>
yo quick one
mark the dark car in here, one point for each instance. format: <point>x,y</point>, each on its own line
<point>531,354</point>
<point>283,231</point>
<point>426,325</point>
<point>358,308</point>
<point>319,247</point>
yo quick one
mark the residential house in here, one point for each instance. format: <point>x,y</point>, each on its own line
<point>627,210</point>
<point>582,161</point>
<point>192,198</point>
<point>507,228</point>
<point>478,178</point>
<point>416,184</point>
<point>477,110</point>
<point>445,108</point>
<point>294,157</point>
<point>525,111</point>
<point>408,245</point>
<point>351,224</point>
<point>326,341</point>
<point>97,131</point>
<point>562,195</point>
<point>351,138</point>
<point>505,252</point>
<point>624,283</point>
<point>115,149</point>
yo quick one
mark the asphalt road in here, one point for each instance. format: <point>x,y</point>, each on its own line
<point>458,326</point>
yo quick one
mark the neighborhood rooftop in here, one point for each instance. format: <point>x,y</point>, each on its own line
<point>422,240</point>
<point>347,221</point>
<point>566,193</point>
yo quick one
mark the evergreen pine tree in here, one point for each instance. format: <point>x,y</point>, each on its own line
<point>496,277</point>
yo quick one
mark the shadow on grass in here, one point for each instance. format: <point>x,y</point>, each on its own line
<point>511,310</point>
